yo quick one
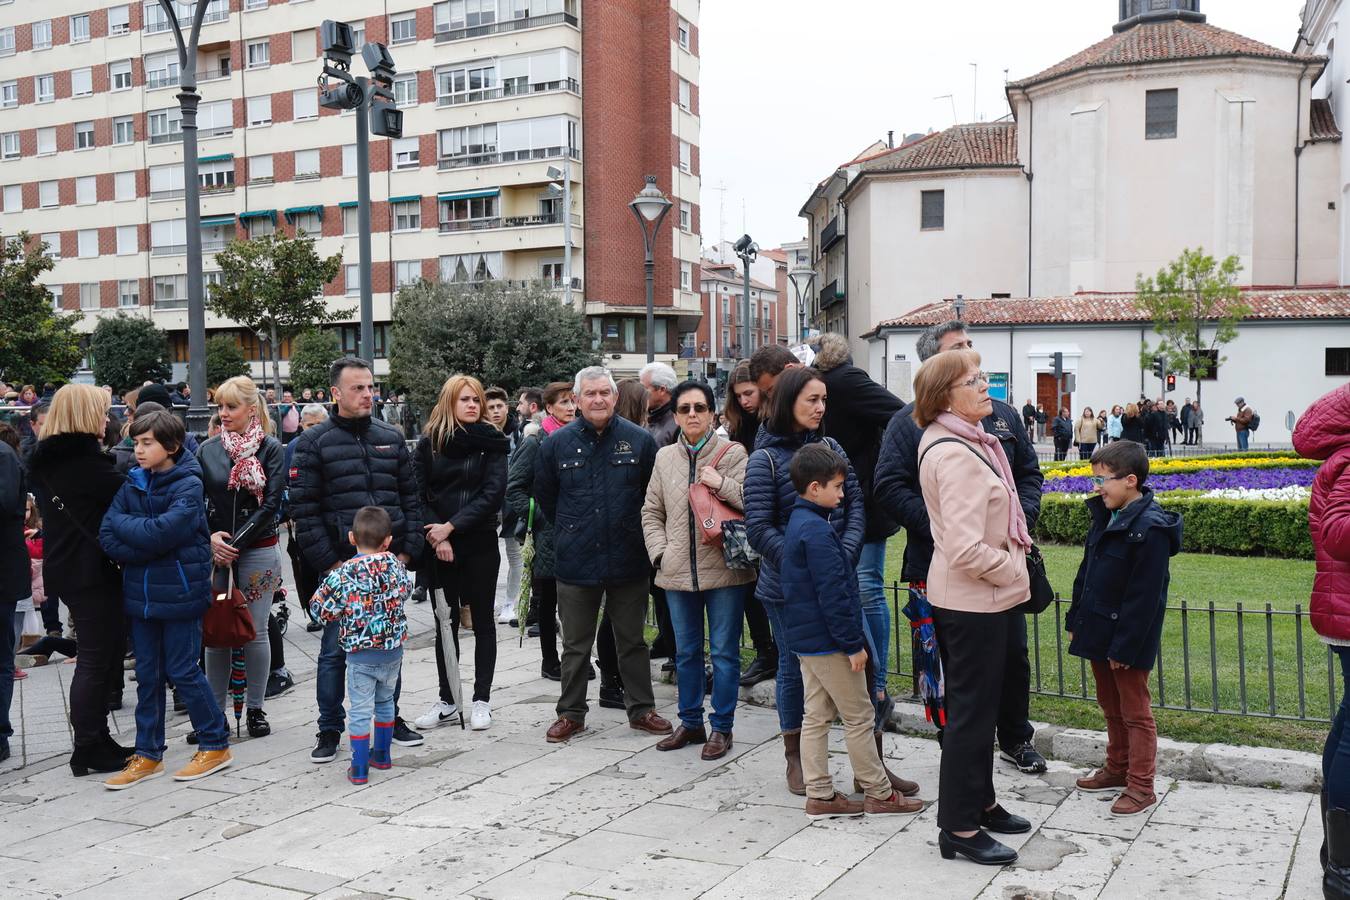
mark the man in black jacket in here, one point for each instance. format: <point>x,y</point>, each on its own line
<point>15,583</point>
<point>348,461</point>
<point>897,490</point>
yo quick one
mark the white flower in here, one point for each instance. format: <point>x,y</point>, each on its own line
<point>1293,492</point>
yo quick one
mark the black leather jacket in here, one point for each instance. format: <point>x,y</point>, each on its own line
<point>238,511</point>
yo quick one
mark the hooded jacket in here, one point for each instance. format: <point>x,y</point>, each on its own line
<point>1323,432</point>
<point>856,416</point>
<point>156,528</point>
<point>1120,594</point>
<point>74,468</point>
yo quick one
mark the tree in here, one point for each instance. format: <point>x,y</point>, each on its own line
<point>37,343</point>
<point>312,354</point>
<point>508,336</point>
<point>128,351</point>
<point>273,285</point>
<point>1191,294</point>
<point>224,359</point>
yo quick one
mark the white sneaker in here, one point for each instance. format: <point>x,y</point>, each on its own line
<point>437,715</point>
<point>505,614</point>
<point>481,717</point>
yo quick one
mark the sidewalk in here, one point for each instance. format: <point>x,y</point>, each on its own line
<point>503,814</point>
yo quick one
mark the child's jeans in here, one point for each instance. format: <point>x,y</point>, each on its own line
<point>370,690</point>
<point>1131,733</point>
<point>831,688</point>
<point>167,650</point>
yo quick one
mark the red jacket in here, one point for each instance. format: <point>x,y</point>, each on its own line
<point>1323,432</point>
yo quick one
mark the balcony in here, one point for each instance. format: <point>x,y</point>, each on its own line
<point>833,234</point>
<point>830,295</point>
<point>169,250</point>
<point>156,22</point>
<point>459,225</point>
<point>469,160</point>
<point>570,85</point>
<point>175,303</point>
<point>506,27</point>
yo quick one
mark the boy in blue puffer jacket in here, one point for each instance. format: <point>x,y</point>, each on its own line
<point>156,529</point>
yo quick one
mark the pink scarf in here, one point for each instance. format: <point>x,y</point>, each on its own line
<point>993,449</point>
<point>550,424</point>
<point>245,472</point>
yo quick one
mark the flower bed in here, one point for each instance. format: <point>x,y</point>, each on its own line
<point>1199,464</point>
<point>1212,479</point>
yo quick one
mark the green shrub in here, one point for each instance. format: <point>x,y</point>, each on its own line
<point>1211,525</point>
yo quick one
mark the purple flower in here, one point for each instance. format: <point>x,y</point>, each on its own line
<point>1212,479</point>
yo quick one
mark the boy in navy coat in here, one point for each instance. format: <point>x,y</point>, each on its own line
<point>1116,618</point>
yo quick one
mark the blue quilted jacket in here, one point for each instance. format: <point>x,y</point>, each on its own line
<point>156,528</point>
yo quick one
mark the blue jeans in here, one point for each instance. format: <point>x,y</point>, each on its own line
<point>167,651</point>
<point>876,611</point>
<point>7,646</point>
<point>328,683</point>
<point>725,608</point>
<point>1243,437</point>
<point>788,689</point>
<point>1336,754</point>
<point>371,686</point>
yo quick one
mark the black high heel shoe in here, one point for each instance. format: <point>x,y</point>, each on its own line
<point>979,848</point>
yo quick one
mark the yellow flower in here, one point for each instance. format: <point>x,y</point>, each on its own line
<point>1175,466</point>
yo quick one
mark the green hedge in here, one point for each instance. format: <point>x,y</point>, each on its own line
<point>1211,525</point>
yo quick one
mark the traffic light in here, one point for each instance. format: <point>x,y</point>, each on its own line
<point>1057,363</point>
<point>1171,383</point>
<point>1158,371</point>
<point>386,120</point>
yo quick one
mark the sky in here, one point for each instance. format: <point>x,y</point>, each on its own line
<point>791,89</point>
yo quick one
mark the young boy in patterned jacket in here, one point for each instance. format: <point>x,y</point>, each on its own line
<point>365,596</point>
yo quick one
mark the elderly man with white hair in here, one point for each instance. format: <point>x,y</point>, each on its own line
<point>660,379</point>
<point>590,481</point>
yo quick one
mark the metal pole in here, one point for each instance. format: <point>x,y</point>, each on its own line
<point>745,312</point>
<point>567,227</point>
<point>650,268</point>
<point>367,344</point>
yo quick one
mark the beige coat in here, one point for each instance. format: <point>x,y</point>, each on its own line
<point>975,568</point>
<point>666,519</point>
<point>1085,431</point>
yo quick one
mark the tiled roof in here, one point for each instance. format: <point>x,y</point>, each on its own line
<point>1324,122</point>
<point>973,146</point>
<point>1120,308</point>
<point>1153,42</point>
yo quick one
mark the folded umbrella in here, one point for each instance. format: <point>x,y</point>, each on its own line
<point>928,662</point>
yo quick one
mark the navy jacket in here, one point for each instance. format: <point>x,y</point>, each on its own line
<point>591,486</point>
<point>822,610</point>
<point>15,580</point>
<point>770,498</point>
<point>896,486</point>
<point>156,528</point>
<point>1120,594</point>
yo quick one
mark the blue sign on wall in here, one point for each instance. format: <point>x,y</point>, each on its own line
<point>998,386</point>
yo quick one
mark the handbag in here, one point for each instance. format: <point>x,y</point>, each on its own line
<point>710,511</point>
<point>227,623</point>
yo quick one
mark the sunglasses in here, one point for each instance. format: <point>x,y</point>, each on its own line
<point>1099,480</point>
<point>689,410</point>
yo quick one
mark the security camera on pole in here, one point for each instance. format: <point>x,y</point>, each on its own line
<point>376,112</point>
<point>748,251</point>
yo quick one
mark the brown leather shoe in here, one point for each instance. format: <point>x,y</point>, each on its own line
<point>792,752</point>
<point>652,724</point>
<point>896,804</point>
<point>1131,804</point>
<point>563,729</point>
<point>833,808</point>
<point>1102,781</point>
<point>682,738</point>
<point>719,742</point>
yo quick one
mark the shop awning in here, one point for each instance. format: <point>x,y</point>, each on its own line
<point>259,214</point>
<point>294,211</point>
<point>219,157</point>
<point>470,195</point>
<point>211,221</point>
<point>347,204</point>
<point>408,199</point>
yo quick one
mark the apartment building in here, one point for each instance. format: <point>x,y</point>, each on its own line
<point>720,333</point>
<point>501,100</point>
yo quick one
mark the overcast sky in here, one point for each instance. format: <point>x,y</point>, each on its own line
<point>791,89</point>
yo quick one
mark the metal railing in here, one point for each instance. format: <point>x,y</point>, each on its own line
<point>508,25</point>
<point>504,156</point>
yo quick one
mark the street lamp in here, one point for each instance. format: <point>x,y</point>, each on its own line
<point>650,207</point>
<point>563,191</point>
<point>187,105</point>
<point>748,251</point>
<point>798,277</point>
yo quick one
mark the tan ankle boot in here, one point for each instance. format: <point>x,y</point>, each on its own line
<point>203,763</point>
<point>138,768</point>
<point>792,751</point>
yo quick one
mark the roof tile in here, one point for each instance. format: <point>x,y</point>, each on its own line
<point>979,145</point>
<point>1324,122</point>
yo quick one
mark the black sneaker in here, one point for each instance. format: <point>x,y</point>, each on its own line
<point>419,595</point>
<point>257,724</point>
<point>532,631</point>
<point>552,673</point>
<point>405,736</point>
<point>326,747</point>
<point>278,683</point>
<point>191,738</point>
<point>611,696</point>
<point>1025,758</point>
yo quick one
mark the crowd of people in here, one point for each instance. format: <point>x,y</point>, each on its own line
<point>1156,424</point>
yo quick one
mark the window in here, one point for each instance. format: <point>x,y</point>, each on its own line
<point>215,119</point>
<point>260,169</point>
<point>460,14</point>
<point>468,146</point>
<point>13,198</point>
<point>86,190</point>
<point>119,75</point>
<point>307,222</point>
<point>9,94</point>
<point>166,182</point>
<point>81,82</point>
<point>124,186</point>
<point>683,34</point>
<point>166,125</point>
<point>402,28</point>
<point>685,90</point>
<point>686,216</point>
<point>87,242</point>
<point>470,267</point>
<point>129,292</point>
<point>1160,114</point>
<point>170,291</point>
<point>84,135</point>
<point>686,276</point>
<point>405,90</point>
<point>406,272</point>
<point>305,104</point>
<point>469,213</point>
<point>352,279</point>
<point>46,88</point>
<point>407,215</point>
<point>306,164</point>
<point>42,34</point>
<point>126,240</point>
<point>1338,358</point>
<point>349,223</point>
<point>358,36</point>
<point>161,70</point>
<point>261,226</point>
<point>348,160</point>
<point>552,273</point>
<point>259,111</point>
<point>259,54</point>
<point>466,84</point>
<point>255,4</point>
<point>124,130</point>
<point>686,157</point>
<point>79,28</point>
<point>7,40</point>
<point>56,291</point>
<point>9,145</point>
<point>933,209</point>
<point>51,244</point>
<point>119,20</point>
<point>89,295</point>
<point>168,237</point>
<point>406,153</point>
<point>48,195</point>
<point>216,176</point>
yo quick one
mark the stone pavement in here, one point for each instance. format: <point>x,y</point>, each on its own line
<point>503,814</point>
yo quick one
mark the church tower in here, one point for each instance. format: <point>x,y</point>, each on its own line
<point>1133,12</point>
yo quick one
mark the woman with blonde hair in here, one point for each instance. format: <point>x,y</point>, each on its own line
<point>1132,424</point>
<point>244,474</point>
<point>461,467</point>
<point>75,482</point>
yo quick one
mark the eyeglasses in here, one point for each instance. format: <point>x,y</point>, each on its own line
<point>980,378</point>
<point>689,410</point>
<point>1099,480</point>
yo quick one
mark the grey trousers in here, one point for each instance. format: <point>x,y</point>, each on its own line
<point>579,608</point>
<point>258,571</point>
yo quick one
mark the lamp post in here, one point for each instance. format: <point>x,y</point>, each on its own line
<point>650,207</point>
<point>798,276</point>
<point>187,104</point>
<point>748,251</point>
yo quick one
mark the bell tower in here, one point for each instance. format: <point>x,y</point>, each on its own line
<point>1135,12</point>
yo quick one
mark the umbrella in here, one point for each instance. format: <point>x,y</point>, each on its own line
<point>527,575</point>
<point>927,661</point>
<point>448,648</point>
<point>238,684</point>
